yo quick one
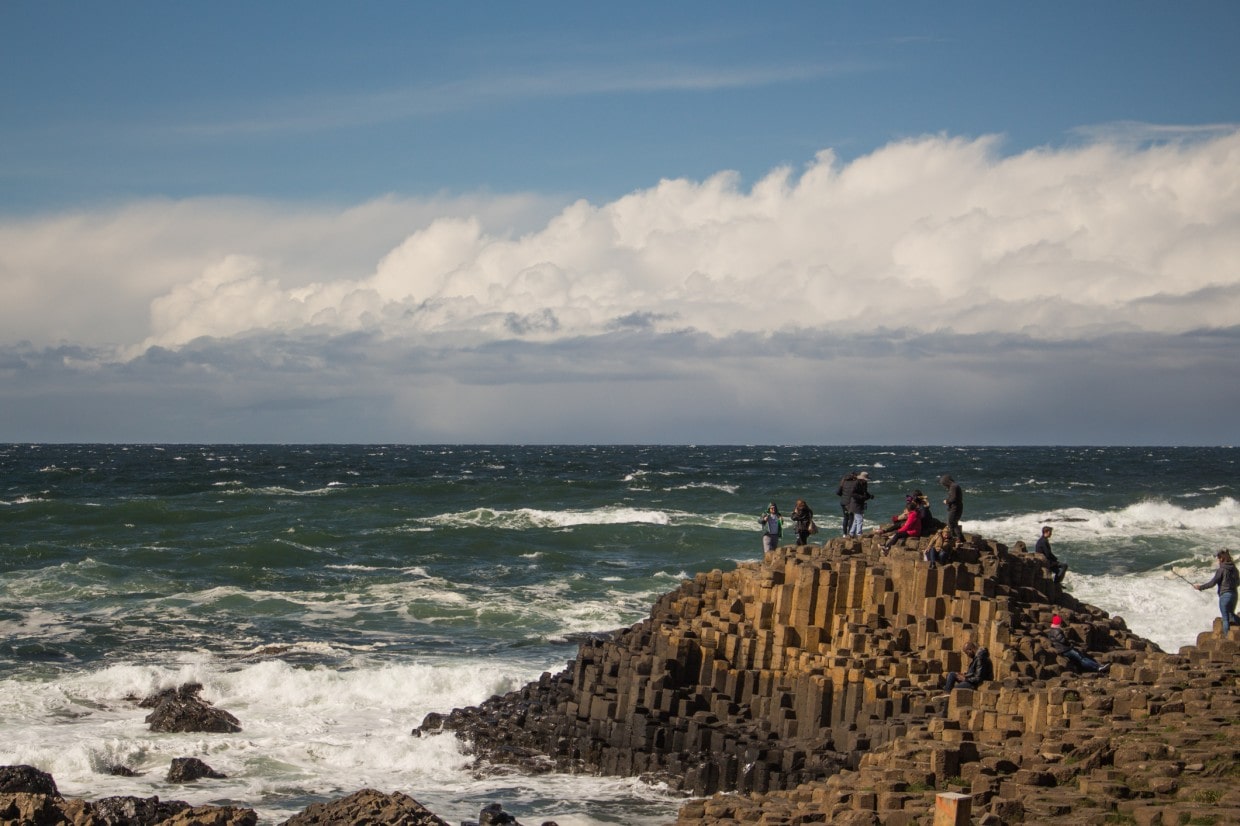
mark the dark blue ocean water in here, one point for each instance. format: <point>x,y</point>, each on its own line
<point>331,596</point>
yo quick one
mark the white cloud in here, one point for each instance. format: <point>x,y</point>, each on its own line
<point>927,234</point>
<point>1045,294</point>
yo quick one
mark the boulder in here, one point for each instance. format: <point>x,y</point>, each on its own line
<point>189,769</point>
<point>26,779</point>
<point>182,710</point>
<point>367,808</point>
<point>134,811</point>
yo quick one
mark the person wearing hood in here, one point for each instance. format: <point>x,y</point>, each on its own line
<point>1065,649</point>
<point>954,503</point>
<point>1227,579</point>
<point>845,492</point>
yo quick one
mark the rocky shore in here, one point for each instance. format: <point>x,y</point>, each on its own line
<point>806,688</point>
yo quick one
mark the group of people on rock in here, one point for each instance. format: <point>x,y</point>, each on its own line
<point>917,521</point>
<point>854,494</point>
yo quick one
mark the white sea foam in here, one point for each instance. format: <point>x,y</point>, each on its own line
<point>305,732</point>
<point>1156,605</point>
<point>532,518</point>
<point>719,486</point>
<point>1148,518</point>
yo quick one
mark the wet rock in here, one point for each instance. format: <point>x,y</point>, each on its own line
<point>26,779</point>
<point>367,808</point>
<point>182,710</point>
<point>135,811</point>
<point>189,769</point>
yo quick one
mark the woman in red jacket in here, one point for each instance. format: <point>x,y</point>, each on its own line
<point>911,527</point>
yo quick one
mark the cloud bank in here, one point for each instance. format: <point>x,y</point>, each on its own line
<point>1054,295</point>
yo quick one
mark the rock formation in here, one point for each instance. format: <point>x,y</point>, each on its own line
<point>28,797</point>
<point>182,710</point>
<point>189,769</point>
<point>805,686</point>
<point>367,806</point>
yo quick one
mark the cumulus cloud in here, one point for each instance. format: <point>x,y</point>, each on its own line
<point>935,233</point>
<point>651,316</point>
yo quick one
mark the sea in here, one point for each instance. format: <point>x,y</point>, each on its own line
<point>331,596</point>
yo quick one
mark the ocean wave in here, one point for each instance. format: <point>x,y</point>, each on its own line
<point>279,490</point>
<point>719,486</point>
<point>523,519</point>
<point>534,518</point>
<point>1148,518</point>
<point>1156,605</point>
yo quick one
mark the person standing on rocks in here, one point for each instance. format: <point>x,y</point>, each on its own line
<point>1227,579</point>
<point>804,519</point>
<point>856,504</point>
<point>772,523</point>
<point>845,492</point>
<point>954,503</point>
<point>1059,641</point>
<point>1043,546</point>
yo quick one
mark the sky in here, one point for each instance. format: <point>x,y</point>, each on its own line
<point>550,222</point>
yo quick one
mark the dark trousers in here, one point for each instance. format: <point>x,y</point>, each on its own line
<point>954,682</point>
<point>1081,661</point>
<point>953,522</point>
<point>848,517</point>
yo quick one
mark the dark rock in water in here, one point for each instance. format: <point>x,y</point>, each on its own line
<point>50,809</point>
<point>367,807</point>
<point>189,769</point>
<point>493,814</point>
<point>589,636</point>
<point>182,710</point>
<point>212,816</point>
<point>27,779</point>
<point>135,811</point>
<point>121,771</point>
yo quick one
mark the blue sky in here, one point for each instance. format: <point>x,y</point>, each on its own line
<point>584,222</point>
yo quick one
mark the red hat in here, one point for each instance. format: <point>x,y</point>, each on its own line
<point>1055,620</point>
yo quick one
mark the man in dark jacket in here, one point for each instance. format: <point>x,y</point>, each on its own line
<point>845,492</point>
<point>856,505</point>
<point>1043,546</point>
<point>1059,641</point>
<point>979,671</point>
<point>955,504</point>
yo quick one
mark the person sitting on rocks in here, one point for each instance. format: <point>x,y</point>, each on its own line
<point>1043,546</point>
<point>901,517</point>
<point>942,547</point>
<point>910,528</point>
<point>929,523</point>
<point>1059,641</point>
<point>979,671</point>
